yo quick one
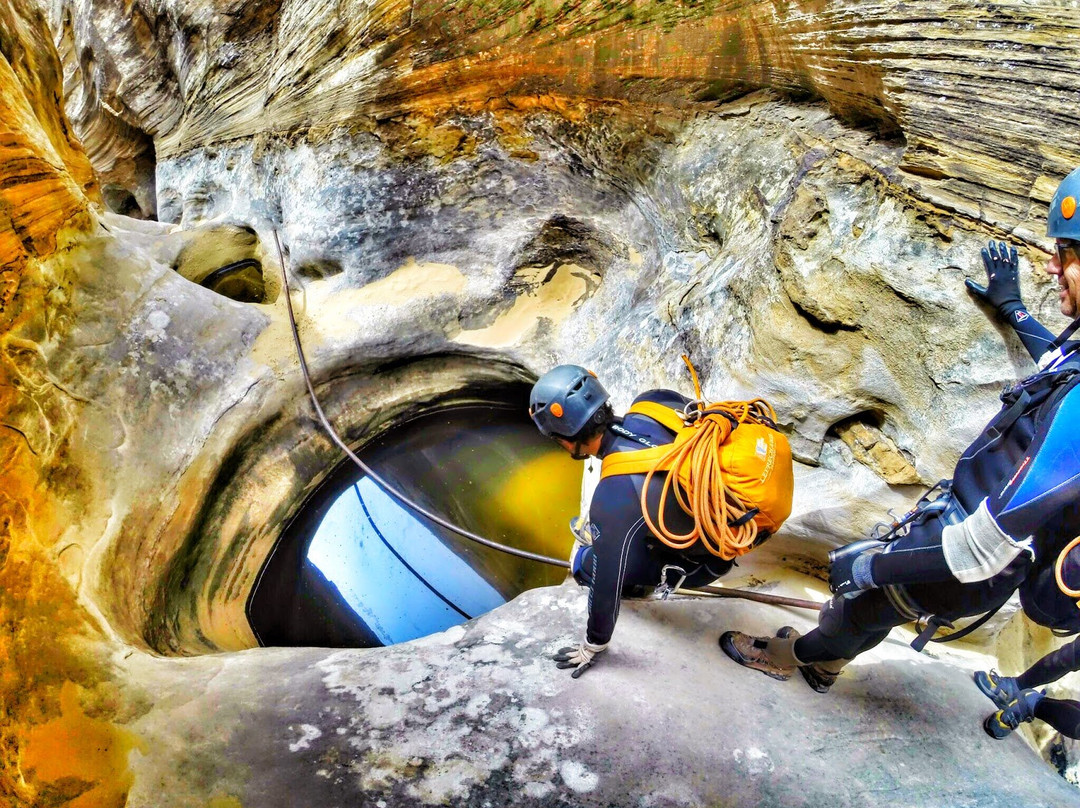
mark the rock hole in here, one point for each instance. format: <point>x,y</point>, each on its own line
<point>355,568</point>
<point>319,269</point>
<point>121,200</point>
<point>241,281</point>
<point>863,434</point>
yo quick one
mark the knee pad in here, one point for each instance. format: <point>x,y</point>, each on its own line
<point>582,561</point>
<point>833,616</point>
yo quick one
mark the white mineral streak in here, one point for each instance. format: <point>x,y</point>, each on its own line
<point>578,777</point>
<point>756,762</point>
<point>308,733</point>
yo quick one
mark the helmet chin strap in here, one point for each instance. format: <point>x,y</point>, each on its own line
<point>577,453</point>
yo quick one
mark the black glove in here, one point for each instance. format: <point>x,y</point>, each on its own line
<point>579,657</point>
<point>1003,289</point>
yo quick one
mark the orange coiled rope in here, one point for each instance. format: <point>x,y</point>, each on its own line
<point>1072,593</point>
<point>719,515</point>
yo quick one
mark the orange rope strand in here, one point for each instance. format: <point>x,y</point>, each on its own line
<point>1072,593</point>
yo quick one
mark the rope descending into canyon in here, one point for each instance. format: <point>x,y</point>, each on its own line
<point>414,506</point>
<point>759,597</point>
<point>383,484</point>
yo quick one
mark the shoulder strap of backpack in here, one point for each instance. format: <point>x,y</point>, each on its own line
<point>1061,381</point>
<point>660,413</point>
<point>1064,336</point>
<point>641,461</point>
<point>635,461</point>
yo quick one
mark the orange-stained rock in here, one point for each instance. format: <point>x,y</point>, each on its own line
<point>47,190</point>
<point>47,182</point>
<point>189,78</point>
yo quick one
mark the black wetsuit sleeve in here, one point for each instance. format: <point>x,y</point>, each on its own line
<point>1052,667</point>
<point>1035,336</point>
<point>616,518</point>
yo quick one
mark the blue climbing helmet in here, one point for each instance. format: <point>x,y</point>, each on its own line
<point>564,399</point>
<point>1064,218</point>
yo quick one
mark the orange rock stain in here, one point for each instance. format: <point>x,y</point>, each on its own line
<point>84,757</point>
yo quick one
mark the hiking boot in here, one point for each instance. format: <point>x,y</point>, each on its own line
<point>999,689</point>
<point>750,652</point>
<point>1019,711</point>
<point>819,675</point>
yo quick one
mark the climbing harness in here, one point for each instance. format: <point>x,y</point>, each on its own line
<point>665,589</point>
<point>986,464</point>
<point>728,467</point>
<point>939,504</point>
<point>1048,594</point>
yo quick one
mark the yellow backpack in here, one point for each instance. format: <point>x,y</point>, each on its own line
<point>728,467</point>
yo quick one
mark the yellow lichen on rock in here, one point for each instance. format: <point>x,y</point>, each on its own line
<point>81,757</point>
<point>46,636</point>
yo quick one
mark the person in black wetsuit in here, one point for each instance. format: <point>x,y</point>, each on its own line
<point>1013,502</point>
<point>616,554</point>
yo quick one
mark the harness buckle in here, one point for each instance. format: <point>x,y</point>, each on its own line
<point>665,589</point>
<point>927,626</point>
<point>691,415</point>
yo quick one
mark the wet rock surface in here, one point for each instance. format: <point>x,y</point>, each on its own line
<point>480,715</point>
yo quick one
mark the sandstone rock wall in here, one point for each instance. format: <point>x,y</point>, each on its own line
<point>49,640</point>
<point>943,75</point>
<point>493,186</point>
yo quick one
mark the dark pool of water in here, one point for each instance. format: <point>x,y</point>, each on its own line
<point>356,569</point>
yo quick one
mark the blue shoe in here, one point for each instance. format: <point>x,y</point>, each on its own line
<point>999,689</point>
<point>1019,711</point>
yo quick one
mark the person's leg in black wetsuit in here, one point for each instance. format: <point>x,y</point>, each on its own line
<point>848,627</point>
<point>1051,667</point>
<point>1062,714</point>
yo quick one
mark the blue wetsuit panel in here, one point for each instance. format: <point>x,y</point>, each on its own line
<point>1047,479</point>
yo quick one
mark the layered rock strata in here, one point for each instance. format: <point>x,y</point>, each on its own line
<point>946,76</point>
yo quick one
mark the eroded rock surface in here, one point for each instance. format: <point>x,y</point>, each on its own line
<point>467,193</point>
<point>480,715</point>
<point>947,76</point>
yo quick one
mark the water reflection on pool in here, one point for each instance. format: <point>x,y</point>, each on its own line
<point>355,568</point>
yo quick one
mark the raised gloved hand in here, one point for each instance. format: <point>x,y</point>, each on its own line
<point>580,658</point>
<point>1002,290</point>
<point>849,567</point>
